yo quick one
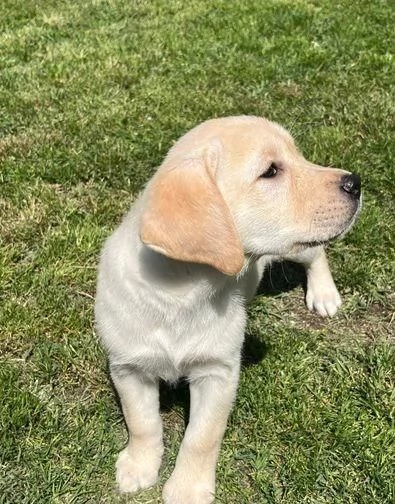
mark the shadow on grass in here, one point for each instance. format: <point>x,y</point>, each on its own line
<point>282,277</point>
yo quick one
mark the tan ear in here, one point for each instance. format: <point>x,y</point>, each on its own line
<point>186,218</point>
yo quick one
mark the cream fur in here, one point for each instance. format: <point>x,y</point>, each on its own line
<point>174,279</point>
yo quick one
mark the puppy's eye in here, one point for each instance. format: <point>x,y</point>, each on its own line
<point>271,171</point>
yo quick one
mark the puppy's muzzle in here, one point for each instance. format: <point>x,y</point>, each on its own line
<point>351,184</point>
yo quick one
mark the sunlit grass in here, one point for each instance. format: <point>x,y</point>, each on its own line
<point>93,94</point>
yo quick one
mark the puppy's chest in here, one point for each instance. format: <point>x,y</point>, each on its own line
<point>186,338</point>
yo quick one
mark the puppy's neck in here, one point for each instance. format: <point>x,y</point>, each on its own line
<point>180,277</point>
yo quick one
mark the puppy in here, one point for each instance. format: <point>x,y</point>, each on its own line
<point>232,195</point>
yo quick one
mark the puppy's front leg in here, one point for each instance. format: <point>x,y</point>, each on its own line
<point>322,294</point>
<point>138,464</point>
<point>193,479</point>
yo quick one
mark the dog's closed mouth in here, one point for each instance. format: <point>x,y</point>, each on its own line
<point>317,243</point>
<point>313,243</point>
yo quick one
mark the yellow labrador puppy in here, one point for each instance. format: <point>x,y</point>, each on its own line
<point>232,195</point>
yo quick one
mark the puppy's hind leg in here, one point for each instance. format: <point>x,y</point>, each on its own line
<point>138,464</point>
<point>322,295</point>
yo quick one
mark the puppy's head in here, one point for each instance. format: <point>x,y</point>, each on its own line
<point>238,186</point>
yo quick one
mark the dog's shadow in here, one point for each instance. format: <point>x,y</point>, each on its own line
<point>278,278</point>
<point>282,277</point>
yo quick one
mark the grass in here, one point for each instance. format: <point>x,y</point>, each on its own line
<point>93,94</point>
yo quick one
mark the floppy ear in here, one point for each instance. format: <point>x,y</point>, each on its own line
<point>186,217</point>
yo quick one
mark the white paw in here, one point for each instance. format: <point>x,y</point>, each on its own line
<point>138,470</point>
<point>323,298</point>
<point>184,491</point>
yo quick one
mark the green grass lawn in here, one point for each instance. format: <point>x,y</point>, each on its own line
<point>92,95</point>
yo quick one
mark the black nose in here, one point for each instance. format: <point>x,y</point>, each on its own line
<point>351,184</point>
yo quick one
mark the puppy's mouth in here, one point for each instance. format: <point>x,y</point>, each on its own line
<point>338,234</point>
<point>316,243</point>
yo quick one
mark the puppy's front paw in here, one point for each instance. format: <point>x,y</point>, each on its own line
<point>136,470</point>
<point>323,297</point>
<point>188,490</point>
